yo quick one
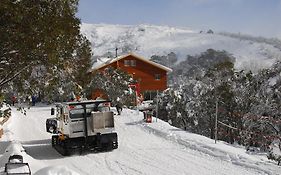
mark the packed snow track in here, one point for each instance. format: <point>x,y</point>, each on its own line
<point>155,148</point>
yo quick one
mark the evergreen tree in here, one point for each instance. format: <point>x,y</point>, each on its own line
<point>38,40</point>
<point>168,60</point>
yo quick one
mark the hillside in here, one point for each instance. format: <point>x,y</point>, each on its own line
<point>148,40</point>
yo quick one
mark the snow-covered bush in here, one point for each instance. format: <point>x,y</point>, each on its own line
<point>275,151</point>
<point>259,131</point>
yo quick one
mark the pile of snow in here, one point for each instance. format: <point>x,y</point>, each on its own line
<point>148,40</point>
<point>147,105</point>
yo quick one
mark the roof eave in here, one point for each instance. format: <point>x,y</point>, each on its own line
<point>136,56</point>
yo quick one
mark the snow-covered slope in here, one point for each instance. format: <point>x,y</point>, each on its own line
<point>154,148</point>
<point>148,40</point>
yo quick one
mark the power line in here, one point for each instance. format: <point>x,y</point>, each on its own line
<point>227,125</point>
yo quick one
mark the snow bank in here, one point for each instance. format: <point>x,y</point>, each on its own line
<point>224,151</point>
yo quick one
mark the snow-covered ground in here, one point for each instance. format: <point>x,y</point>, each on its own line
<point>148,40</point>
<point>144,148</point>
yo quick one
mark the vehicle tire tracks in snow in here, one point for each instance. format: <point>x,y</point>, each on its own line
<point>208,151</point>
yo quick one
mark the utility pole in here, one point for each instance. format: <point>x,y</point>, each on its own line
<point>137,99</point>
<point>216,122</point>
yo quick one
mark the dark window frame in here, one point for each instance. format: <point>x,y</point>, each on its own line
<point>127,63</point>
<point>133,63</point>
<point>157,76</point>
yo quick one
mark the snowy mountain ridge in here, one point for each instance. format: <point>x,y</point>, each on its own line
<point>148,40</point>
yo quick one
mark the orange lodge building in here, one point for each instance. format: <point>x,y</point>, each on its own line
<point>151,76</point>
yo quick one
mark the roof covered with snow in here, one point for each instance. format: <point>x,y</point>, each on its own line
<point>112,60</point>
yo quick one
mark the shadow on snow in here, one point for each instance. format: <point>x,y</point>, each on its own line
<point>41,149</point>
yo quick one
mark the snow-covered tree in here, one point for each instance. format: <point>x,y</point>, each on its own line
<point>191,103</point>
<point>115,83</point>
<point>40,35</point>
<point>262,123</point>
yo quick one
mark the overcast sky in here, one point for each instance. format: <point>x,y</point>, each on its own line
<point>255,17</point>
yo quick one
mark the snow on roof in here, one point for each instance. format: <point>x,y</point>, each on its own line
<point>101,61</point>
<point>97,101</point>
<point>112,60</point>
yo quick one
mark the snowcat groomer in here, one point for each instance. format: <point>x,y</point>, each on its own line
<point>85,125</point>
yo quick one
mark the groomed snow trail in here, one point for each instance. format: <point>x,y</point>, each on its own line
<point>141,150</point>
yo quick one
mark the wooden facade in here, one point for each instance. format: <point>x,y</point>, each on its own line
<point>99,93</point>
<point>149,75</point>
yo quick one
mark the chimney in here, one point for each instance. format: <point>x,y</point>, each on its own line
<point>116,49</point>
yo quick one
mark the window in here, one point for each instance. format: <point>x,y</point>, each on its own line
<point>133,63</point>
<point>126,62</point>
<point>157,76</point>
